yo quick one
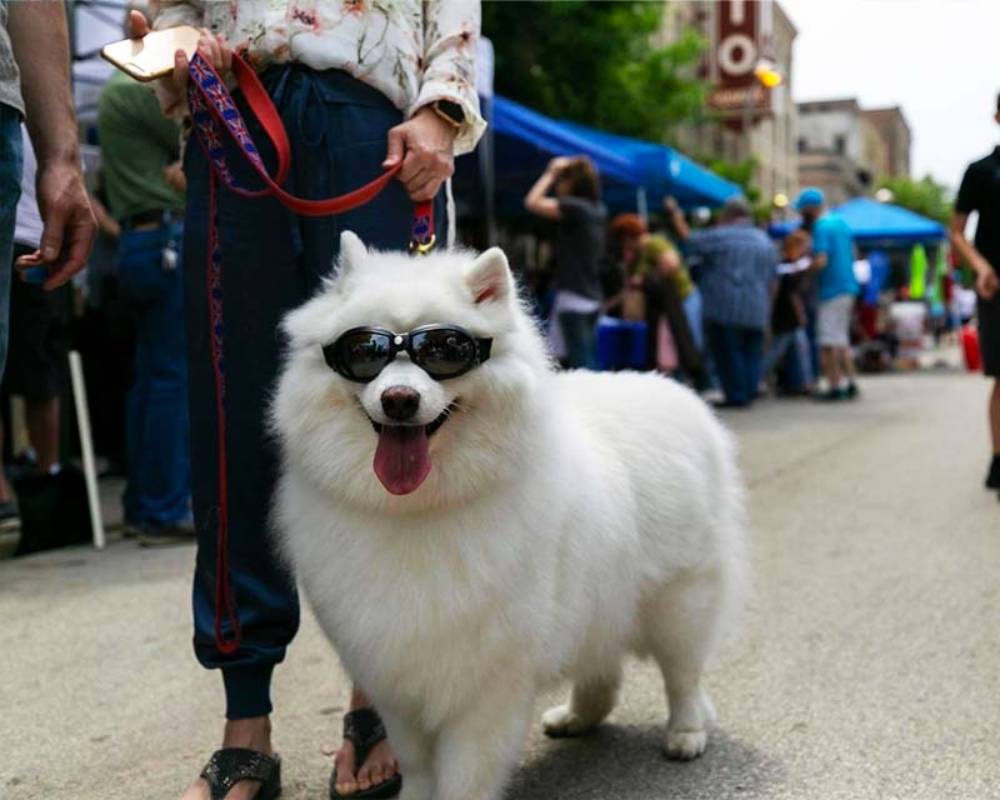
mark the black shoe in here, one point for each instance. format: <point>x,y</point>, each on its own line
<point>832,395</point>
<point>993,477</point>
<point>853,392</point>
<point>181,532</point>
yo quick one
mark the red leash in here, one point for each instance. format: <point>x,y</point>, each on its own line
<point>215,116</point>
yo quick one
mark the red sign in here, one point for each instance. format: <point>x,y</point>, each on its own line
<point>735,55</point>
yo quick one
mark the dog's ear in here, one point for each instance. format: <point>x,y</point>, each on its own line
<point>488,279</point>
<point>352,253</point>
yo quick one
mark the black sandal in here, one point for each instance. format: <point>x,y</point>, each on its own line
<point>231,765</point>
<point>364,729</point>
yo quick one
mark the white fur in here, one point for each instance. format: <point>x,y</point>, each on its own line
<point>568,519</point>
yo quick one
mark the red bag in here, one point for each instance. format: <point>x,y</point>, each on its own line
<point>970,348</point>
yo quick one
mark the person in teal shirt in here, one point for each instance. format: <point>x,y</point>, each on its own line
<point>833,257</point>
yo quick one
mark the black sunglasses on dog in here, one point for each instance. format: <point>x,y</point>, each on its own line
<point>442,351</point>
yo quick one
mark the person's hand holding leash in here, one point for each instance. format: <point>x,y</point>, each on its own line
<point>425,144</point>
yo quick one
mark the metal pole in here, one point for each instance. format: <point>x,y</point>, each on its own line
<point>86,447</point>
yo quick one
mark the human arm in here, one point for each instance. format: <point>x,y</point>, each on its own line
<point>987,282</point>
<point>427,142</point>
<point>537,200</point>
<point>40,39</point>
<point>821,247</point>
<point>971,198</point>
<point>676,217</point>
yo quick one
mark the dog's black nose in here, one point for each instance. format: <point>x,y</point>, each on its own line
<point>400,403</point>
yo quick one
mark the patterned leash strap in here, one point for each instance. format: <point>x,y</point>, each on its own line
<point>215,117</point>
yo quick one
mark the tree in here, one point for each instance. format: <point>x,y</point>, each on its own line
<point>925,196</point>
<point>596,63</point>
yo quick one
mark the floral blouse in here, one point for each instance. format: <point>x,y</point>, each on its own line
<point>413,51</point>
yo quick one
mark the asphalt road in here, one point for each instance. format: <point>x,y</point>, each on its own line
<point>867,668</point>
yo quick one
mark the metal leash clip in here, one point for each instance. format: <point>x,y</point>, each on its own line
<point>422,237</point>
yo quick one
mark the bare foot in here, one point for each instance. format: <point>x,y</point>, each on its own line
<point>253,734</point>
<point>379,767</point>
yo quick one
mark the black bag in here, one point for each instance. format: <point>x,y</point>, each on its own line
<point>53,510</point>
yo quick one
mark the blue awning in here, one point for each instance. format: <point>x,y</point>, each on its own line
<point>873,222</point>
<point>526,140</point>
<point>876,224</point>
<point>664,171</point>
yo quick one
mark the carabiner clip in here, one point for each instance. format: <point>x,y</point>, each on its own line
<point>422,238</point>
<point>418,248</point>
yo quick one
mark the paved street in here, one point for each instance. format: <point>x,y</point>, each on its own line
<point>869,665</point>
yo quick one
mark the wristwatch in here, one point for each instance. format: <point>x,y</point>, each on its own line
<point>450,112</point>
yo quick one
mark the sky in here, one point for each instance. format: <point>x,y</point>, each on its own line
<point>938,59</point>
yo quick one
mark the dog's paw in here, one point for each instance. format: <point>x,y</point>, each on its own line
<point>685,745</point>
<point>561,721</point>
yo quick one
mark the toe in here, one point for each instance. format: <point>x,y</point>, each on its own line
<point>344,764</point>
<point>365,775</point>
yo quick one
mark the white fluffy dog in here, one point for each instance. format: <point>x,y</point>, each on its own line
<point>494,532</point>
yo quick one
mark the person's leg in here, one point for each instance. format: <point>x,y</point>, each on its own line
<point>139,264</point>
<point>693,311</point>
<point>995,417</point>
<point>11,156</point>
<point>847,368</point>
<point>262,279</point>
<point>804,360</point>
<point>10,191</point>
<point>574,331</point>
<point>166,471</point>
<point>830,335</point>
<point>780,343</point>
<point>830,361</point>
<point>720,342</point>
<point>41,416</point>
<point>752,346</point>
<point>988,323</point>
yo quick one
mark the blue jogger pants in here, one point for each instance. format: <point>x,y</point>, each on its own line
<point>272,261</point>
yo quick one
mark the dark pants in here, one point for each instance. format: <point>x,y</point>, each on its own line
<point>272,262</point>
<point>158,492</point>
<point>580,336</point>
<point>737,352</point>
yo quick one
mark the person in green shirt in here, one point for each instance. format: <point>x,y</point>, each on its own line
<point>140,149</point>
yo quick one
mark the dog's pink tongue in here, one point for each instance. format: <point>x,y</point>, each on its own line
<point>402,459</point>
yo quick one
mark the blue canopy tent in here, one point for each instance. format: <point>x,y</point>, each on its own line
<point>633,172</point>
<point>664,171</point>
<point>876,224</point>
<point>880,225</point>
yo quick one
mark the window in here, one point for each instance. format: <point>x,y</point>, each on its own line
<point>803,144</point>
<point>840,144</point>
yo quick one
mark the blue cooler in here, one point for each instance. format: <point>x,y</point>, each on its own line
<point>621,345</point>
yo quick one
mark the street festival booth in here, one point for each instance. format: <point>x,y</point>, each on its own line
<point>635,176</point>
<point>884,232</point>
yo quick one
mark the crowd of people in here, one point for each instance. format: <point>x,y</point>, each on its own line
<point>719,306</point>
